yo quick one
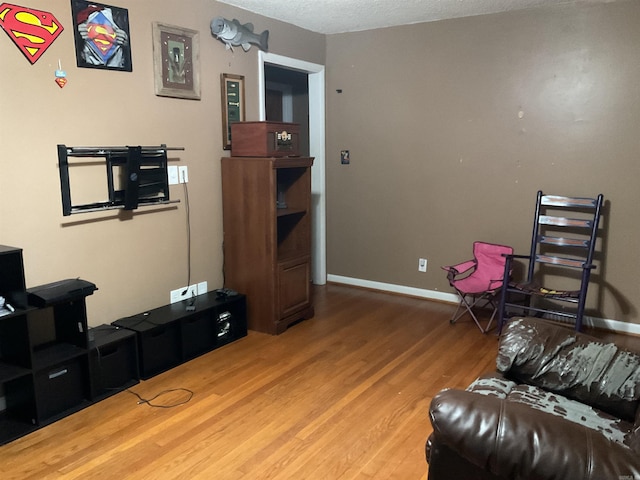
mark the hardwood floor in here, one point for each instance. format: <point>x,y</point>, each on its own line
<point>344,395</point>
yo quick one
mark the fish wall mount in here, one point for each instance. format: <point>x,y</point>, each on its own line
<point>233,34</point>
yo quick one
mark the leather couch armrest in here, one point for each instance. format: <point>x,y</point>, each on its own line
<point>513,441</point>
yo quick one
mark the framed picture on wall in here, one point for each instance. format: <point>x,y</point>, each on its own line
<point>102,37</point>
<point>176,57</point>
<point>232,105</point>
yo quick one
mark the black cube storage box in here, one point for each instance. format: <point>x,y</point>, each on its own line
<point>60,389</point>
<point>113,360</point>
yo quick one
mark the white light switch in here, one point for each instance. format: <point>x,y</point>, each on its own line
<point>172,171</point>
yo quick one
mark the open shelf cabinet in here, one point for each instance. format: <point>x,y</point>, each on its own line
<point>267,237</point>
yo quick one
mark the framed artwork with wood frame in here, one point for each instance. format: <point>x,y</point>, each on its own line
<point>176,57</point>
<point>232,105</point>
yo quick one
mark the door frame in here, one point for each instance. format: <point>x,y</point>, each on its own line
<point>317,133</point>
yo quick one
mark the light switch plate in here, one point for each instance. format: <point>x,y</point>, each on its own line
<point>172,172</point>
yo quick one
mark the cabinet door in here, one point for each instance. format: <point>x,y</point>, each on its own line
<point>294,286</point>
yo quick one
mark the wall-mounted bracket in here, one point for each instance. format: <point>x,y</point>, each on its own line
<point>136,176</point>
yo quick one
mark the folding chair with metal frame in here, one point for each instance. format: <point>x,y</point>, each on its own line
<point>478,280</point>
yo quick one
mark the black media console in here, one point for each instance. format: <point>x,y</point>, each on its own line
<point>170,335</point>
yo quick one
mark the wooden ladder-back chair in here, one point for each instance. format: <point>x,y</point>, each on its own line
<point>562,247</point>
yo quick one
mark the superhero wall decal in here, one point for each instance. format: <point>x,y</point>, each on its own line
<point>101,36</point>
<point>33,31</point>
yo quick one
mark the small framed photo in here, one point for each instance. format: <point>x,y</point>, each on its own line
<point>232,105</point>
<point>102,37</point>
<point>176,61</point>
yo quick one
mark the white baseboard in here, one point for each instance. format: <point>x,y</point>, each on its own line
<point>390,287</point>
<point>602,323</point>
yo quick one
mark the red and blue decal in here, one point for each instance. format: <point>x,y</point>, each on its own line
<point>33,31</point>
<point>102,36</point>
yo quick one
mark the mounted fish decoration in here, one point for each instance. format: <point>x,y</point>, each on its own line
<point>234,34</point>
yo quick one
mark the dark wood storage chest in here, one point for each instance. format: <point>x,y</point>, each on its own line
<point>265,139</point>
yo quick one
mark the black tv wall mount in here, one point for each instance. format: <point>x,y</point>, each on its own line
<point>136,176</point>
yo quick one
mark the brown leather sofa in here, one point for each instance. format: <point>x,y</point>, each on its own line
<point>562,405</point>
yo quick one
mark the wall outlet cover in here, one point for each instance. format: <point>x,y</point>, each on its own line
<point>183,293</point>
<point>422,265</point>
<point>183,174</point>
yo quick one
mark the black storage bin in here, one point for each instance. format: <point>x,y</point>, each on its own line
<point>113,360</point>
<point>159,349</point>
<point>198,334</point>
<point>59,388</point>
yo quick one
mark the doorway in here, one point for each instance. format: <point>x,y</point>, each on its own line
<point>287,100</point>
<point>315,126</point>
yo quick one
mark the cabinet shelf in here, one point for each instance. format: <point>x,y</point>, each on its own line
<point>54,354</point>
<point>286,212</point>
<point>10,372</point>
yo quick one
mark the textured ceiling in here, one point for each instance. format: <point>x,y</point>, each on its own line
<point>337,16</point>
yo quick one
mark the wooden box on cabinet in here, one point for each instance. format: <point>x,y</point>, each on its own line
<point>267,238</point>
<point>265,139</point>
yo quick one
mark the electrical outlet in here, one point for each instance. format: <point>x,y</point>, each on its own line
<point>183,293</point>
<point>184,174</point>
<point>202,288</point>
<point>422,265</point>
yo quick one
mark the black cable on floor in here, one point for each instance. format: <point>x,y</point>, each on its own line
<point>148,401</point>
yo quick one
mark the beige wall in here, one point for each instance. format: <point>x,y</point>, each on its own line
<point>135,260</point>
<point>440,156</point>
<point>430,113</point>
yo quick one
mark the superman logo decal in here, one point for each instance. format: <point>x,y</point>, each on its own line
<point>33,31</point>
<point>101,36</point>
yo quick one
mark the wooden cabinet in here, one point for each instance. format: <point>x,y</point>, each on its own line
<point>267,238</point>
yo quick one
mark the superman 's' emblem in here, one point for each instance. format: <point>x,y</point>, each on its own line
<point>102,36</point>
<point>33,31</point>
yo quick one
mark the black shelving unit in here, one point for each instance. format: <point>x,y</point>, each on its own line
<point>48,366</point>
<point>52,364</point>
<point>173,334</point>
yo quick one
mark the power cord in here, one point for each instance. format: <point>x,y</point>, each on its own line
<point>164,392</point>
<point>186,208</point>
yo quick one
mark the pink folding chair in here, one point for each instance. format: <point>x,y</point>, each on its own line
<point>479,280</point>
